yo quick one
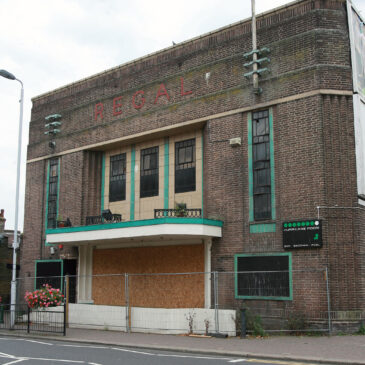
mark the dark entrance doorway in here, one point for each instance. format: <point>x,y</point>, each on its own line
<point>70,269</point>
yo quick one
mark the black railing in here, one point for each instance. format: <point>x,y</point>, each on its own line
<point>187,213</point>
<point>51,320</point>
<point>99,219</point>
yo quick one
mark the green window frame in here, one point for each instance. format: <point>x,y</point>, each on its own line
<point>260,280</point>
<point>261,165</point>
<point>53,188</point>
<point>52,280</point>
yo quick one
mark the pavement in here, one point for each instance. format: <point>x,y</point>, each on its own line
<point>347,349</point>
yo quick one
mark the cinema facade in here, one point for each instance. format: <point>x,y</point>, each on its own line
<point>174,164</point>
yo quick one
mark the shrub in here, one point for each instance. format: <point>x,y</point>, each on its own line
<point>44,298</point>
<point>254,324</point>
<point>297,322</point>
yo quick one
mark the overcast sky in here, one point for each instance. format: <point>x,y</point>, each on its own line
<point>51,43</point>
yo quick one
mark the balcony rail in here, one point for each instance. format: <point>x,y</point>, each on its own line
<point>187,213</point>
<point>100,219</point>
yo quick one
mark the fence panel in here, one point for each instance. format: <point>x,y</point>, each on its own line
<point>282,300</point>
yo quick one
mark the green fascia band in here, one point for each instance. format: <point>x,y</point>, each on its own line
<point>140,223</point>
<point>263,228</point>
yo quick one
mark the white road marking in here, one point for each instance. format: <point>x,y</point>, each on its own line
<point>42,343</point>
<point>171,355</point>
<point>13,362</point>
<point>133,351</point>
<point>94,347</point>
<point>2,354</point>
<point>193,357</point>
<point>59,360</point>
<point>238,360</point>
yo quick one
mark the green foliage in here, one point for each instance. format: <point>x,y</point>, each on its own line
<point>361,330</point>
<point>254,324</point>
<point>180,209</point>
<point>297,322</point>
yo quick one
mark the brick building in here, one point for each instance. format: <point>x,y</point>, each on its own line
<point>201,172</point>
<point>6,258</point>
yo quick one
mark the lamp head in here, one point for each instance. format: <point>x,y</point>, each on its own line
<point>7,75</point>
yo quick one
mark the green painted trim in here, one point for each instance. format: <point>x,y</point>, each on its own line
<point>140,223</point>
<point>202,175</point>
<point>250,171</point>
<point>58,185</point>
<point>250,167</point>
<point>102,183</point>
<point>290,269</point>
<point>133,165</point>
<point>47,192</point>
<point>272,164</point>
<point>166,175</point>
<point>35,276</point>
<point>263,228</point>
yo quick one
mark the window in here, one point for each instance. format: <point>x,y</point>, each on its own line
<point>117,177</point>
<point>52,193</point>
<point>185,166</point>
<point>263,276</point>
<point>261,165</point>
<point>149,172</point>
<point>49,272</point>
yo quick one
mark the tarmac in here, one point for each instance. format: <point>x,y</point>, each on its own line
<point>346,349</point>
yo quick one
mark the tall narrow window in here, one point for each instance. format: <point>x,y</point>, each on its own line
<point>117,177</point>
<point>52,193</point>
<point>185,166</point>
<point>261,165</point>
<point>149,172</point>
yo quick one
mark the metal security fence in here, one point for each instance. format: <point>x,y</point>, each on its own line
<point>289,301</point>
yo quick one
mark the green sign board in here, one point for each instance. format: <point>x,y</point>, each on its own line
<point>306,233</point>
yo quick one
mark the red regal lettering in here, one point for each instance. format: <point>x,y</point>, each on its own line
<point>99,108</point>
<point>162,91</point>
<point>183,93</point>
<point>117,107</point>
<point>142,99</point>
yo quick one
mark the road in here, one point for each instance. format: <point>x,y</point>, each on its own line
<point>35,352</point>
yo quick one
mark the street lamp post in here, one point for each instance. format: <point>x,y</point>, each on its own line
<point>10,76</point>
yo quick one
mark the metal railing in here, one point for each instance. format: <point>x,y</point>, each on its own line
<point>99,219</point>
<point>51,320</point>
<point>187,213</point>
